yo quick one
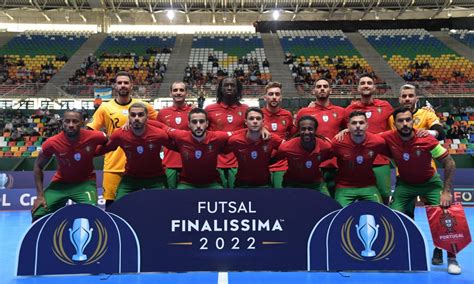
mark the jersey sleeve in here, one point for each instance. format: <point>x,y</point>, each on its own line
<point>439,152</point>
<point>432,119</point>
<point>152,113</point>
<point>391,123</point>
<point>98,119</point>
<point>47,150</point>
<point>112,144</point>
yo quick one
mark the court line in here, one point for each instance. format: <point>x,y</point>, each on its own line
<point>223,278</point>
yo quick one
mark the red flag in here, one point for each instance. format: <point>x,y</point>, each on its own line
<point>449,227</point>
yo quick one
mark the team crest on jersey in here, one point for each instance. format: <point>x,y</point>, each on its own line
<point>253,154</point>
<point>77,157</point>
<point>368,114</point>
<point>239,113</point>
<point>416,121</point>
<point>88,149</point>
<point>319,158</point>
<point>274,126</point>
<point>198,154</point>
<point>210,147</point>
<point>325,118</point>
<point>406,156</point>
<point>151,146</point>
<point>230,118</point>
<point>283,122</point>
<point>371,153</point>
<point>309,164</point>
<point>177,120</point>
<point>125,112</point>
<point>359,159</point>
<point>379,109</point>
<point>265,148</point>
<point>139,149</point>
<point>334,114</point>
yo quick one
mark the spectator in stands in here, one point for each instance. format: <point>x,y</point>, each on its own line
<point>455,133</point>
<point>265,63</point>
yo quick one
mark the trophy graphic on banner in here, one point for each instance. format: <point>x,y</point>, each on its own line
<point>80,235</point>
<point>3,180</point>
<point>367,231</point>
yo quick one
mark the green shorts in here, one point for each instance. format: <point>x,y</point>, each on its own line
<point>382,176</point>
<point>319,186</point>
<point>329,176</point>
<point>406,193</point>
<point>214,185</point>
<point>227,176</point>
<point>277,179</point>
<point>58,193</point>
<point>347,195</point>
<point>130,184</point>
<point>172,177</point>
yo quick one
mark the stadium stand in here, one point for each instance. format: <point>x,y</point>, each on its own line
<point>323,54</point>
<point>417,56</point>
<point>34,57</point>
<point>145,56</point>
<point>464,36</point>
<point>217,55</point>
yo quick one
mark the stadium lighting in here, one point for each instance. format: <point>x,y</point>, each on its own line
<point>170,14</point>
<point>153,17</point>
<point>46,16</point>
<point>84,19</point>
<point>276,14</point>
<point>8,15</point>
<point>118,17</point>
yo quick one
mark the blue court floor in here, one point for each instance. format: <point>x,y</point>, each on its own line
<point>14,224</point>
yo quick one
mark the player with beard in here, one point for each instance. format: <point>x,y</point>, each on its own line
<point>280,122</point>
<point>110,116</point>
<point>227,114</point>
<point>199,149</point>
<point>74,149</point>
<point>175,116</point>
<point>377,113</point>
<point>142,145</point>
<point>355,156</point>
<point>252,152</point>
<point>417,177</point>
<point>331,119</point>
<point>304,155</point>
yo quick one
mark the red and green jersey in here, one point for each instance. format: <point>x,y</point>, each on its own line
<point>176,118</point>
<point>75,159</point>
<point>226,118</point>
<point>331,120</point>
<point>413,157</point>
<point>253,158</point>
<point>142,152</point>
<point>378,113</point>
<point>303,166</point>
<point>355,161</point>
<point>281,124</point>
<point>199,158</point>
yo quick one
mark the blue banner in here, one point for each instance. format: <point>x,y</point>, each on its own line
<point>104,93</point>
<point>79,239</point>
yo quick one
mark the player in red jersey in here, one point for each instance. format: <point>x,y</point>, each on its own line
<point>377,113</point>
<point>142,146</point>
<point>417,177</point>
<point>331,119</point>
<point>280,122</point>
<point>227,114</point>
<point>175,116</point>
<point>74,149</point>
<point>355,155</point>
<point>252,152</point>
<point>304,155</point>
<point>199,149</point>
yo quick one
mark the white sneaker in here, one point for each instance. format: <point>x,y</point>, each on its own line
<point>453,266</point>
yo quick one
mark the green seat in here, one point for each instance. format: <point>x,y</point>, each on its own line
<point>20,143</point>
<point>5,149</point>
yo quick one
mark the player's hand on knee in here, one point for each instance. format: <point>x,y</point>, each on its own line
<point>39,201</point>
